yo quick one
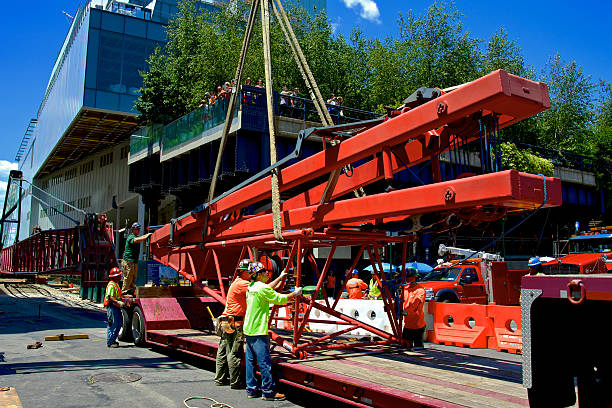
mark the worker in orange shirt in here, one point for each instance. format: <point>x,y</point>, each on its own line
<point>355,286</point>
<point>330,287</point>
<point>414,318</point>
<point>231,345</point>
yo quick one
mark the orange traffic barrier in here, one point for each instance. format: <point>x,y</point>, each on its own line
<point>507,328</point>
<point>458,324</point>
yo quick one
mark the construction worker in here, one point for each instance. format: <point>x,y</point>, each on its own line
<point>130,258</point>
<point>535,266</point>
<point>330,287</point>
<point>113,307</point>
<point>259,297</point>
<point>374,290</point>
<point>231,345</point>
<point>355,286</point>
<point>414,317</point>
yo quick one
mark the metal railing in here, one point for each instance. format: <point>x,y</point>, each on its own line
<point>193,124</point>
<point>566,159</point>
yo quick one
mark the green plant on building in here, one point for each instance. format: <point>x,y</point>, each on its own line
<point>524,160</point>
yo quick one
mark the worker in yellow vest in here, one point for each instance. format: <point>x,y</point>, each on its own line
<point>113,306</point>
<point>374,291</point>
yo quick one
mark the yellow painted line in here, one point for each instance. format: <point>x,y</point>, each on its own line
<point>9,398</point>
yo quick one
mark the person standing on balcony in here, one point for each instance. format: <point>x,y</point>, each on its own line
<point>259,296</point>
<point>260,84</point>
<point>414,317</point>
<point>284,107</point>
<point>130,258</point>
<point>297,105</point>
<point>231,344</point>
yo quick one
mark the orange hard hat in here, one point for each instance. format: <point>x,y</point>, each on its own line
<point>114,272</point>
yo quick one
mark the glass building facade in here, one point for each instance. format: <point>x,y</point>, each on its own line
<point>117,49</point>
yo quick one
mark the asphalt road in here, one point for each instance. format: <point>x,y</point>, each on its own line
<point>59,374</point>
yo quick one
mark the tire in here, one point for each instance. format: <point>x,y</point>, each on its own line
<point>125,333</point>
<point>138,327</point>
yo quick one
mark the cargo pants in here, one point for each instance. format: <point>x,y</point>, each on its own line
<point>229,355</point>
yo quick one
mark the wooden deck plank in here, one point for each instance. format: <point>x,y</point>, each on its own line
<point>457,378</point>
<point>459,374</point>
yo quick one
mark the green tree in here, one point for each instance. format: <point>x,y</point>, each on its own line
<point>567,124</point>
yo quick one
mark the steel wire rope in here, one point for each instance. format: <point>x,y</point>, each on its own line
<point>50,195</point>
<point>40,200</point>
<point>215,403</point>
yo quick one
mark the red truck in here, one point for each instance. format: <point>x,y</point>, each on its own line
<point>589,253</point>
<point>478,280</point>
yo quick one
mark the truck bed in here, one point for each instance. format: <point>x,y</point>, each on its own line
<point>382,376</point>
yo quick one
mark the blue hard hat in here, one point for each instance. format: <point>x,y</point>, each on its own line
<point>355,272</point>
<point>534,261</point>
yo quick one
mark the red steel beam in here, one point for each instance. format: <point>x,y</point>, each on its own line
<point>512,97</point>
<point>507,189</point>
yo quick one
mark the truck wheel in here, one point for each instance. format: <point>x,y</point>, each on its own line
<point>138,329</point>
<point>125,332</point>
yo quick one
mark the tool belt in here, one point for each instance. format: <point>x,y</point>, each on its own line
<point>229,323</point>
<point>231,318</point>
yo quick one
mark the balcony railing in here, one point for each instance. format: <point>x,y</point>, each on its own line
<point>252,100</point>
<point>566,159</point>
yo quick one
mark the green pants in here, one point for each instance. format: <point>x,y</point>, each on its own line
<point>229,354</point>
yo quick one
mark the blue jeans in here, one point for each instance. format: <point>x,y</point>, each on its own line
<point>258,348</point>
<point>114,321</point>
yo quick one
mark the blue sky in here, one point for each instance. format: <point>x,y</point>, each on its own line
<point>577,30</point>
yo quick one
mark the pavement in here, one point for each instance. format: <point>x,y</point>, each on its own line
<point>85,373</point>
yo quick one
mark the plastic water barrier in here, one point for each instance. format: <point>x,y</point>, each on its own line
<point>369,311</point>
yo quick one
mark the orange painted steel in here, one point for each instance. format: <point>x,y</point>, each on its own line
<point>506,335</point>
<point>206,249</point>
<point>458,324</point>
<point>510,97</point>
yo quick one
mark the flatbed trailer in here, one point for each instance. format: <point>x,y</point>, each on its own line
<point>380,376</point>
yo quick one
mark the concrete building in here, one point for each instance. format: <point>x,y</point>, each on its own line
<point>76,148</point>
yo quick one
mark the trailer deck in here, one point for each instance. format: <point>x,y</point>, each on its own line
<point>381,376</point>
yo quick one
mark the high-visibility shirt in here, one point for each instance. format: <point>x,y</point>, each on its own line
<point>331,282</point>
<point>414,298</point>
<point>259,296</point>
<point>112,289</point>
<point>374,289</point>
<point>236,303</point>
<point>355,287</point>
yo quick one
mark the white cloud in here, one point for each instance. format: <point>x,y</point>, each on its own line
<point>368,9</point>
<point>5,168</point>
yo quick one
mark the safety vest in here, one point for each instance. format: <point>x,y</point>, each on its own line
<point>111,289</point>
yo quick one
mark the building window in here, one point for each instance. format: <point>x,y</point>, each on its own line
<point>55,180</point>
<point>84,202</point>
<point>70,174</point>
<point>125,150</point>
<point>106,159</point>
<point>87,167</point>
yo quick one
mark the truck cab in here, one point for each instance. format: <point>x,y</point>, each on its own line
<point>455,283</point>
<point>589,253</point>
